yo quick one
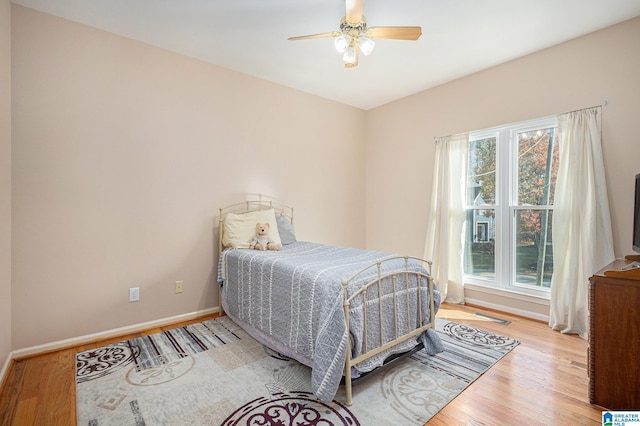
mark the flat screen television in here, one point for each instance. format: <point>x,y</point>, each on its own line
<point>636,217</point>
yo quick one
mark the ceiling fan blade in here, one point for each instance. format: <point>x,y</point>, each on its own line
<point>354,10</point>
<point>310,36</point>
<point>396,33</point>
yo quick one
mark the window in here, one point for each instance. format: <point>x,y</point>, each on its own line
<point>509,195</point>
<point>481,231</point>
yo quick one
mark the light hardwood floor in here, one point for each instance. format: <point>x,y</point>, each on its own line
<point>543,381</point>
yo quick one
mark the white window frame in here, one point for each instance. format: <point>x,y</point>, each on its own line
<point>505,207</point>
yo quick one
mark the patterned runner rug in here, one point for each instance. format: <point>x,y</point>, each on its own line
<point>213,373</point>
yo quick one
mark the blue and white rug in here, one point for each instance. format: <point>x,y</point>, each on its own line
<point>213,373</point>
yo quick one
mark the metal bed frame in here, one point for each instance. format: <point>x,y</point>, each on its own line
<point>400,281</point>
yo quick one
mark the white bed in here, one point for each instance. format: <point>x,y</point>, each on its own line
<point>306,300</point>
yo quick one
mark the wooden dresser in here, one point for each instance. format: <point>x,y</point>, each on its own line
<point>614,338</point>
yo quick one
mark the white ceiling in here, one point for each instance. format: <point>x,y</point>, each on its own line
<point>459,37</point>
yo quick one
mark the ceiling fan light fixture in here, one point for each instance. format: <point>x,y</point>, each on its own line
<point>349,56</point>
<point>342,42</point>
<point>366,44</point>
<point>355,36</point>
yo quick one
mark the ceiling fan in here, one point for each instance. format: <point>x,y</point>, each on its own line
<point>354,33</point>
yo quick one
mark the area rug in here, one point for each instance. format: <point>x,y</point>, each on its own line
<point>213,373</point>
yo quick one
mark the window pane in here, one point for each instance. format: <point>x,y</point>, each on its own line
<point>534,255</point>
<point>481,182</point>
<point>538,156</point>
<point>480,238</point>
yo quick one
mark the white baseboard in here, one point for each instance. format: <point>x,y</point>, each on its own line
<point>5,369</point>
<point>76,341</point>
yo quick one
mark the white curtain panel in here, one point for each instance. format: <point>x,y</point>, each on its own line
<point>445,236</point>
<point>582,238</point>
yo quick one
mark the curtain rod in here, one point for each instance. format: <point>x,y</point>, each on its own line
<point>605,103</point>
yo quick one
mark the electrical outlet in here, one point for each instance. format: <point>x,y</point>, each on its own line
<point>178,287</point>
<point>134,294</point>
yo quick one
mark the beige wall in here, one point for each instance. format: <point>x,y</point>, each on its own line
<point>5,182</point>
<point>122,155</point>
<point>602,66</point>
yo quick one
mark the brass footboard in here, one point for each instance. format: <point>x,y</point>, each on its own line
<point>400,284</point>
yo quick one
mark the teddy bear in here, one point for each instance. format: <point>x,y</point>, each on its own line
<point>262,241</point>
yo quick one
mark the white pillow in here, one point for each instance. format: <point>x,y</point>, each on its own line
<point>240,228</point>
